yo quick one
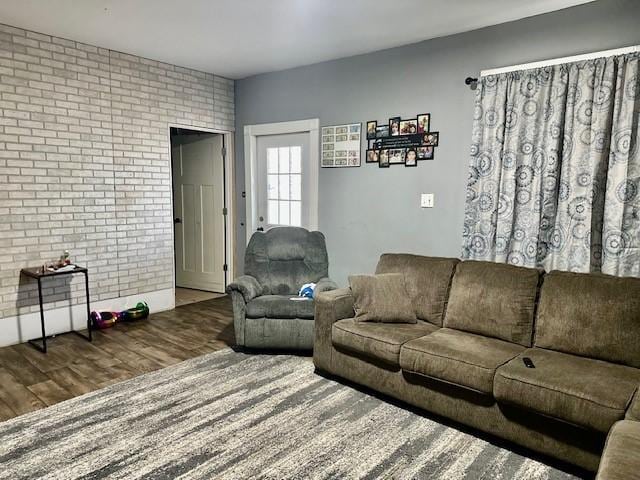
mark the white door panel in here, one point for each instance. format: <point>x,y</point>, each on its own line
<point>198,178</point>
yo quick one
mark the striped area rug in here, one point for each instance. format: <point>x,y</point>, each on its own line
<point>238,416</point>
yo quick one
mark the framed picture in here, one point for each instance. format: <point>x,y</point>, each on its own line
<point>396,156</point>
<point>424,121</point>
<point>372,156</point>
<point>410,158</point>
<point>383,158</point>
<point>431,139</point>
<point>394,126</point>
<point>382,131</point>
<point>371,129</point>
<point>341,145</point>
<point>408,127</point>
<point>425,153</point>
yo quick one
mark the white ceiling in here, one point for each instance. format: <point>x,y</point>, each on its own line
<point>239,38</point>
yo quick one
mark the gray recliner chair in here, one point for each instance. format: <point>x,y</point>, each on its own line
<point>277,263</point>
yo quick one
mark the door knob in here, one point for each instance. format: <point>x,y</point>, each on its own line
<point>177,220</point>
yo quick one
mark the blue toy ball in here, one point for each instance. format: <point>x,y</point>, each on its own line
<point>307,290</point>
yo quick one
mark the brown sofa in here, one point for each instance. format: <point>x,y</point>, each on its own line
<point>464,358</point>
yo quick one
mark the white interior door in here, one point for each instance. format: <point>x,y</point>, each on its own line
<point>198,196</point>
<point>283,180</point>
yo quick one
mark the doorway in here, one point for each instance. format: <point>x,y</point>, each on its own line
<point>281,175</point>
<point>200,214</point>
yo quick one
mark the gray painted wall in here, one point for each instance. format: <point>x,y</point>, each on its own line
<point>366,211</point>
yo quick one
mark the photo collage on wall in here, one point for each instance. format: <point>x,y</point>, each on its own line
<point>401,141</point>
<point>341,145</point>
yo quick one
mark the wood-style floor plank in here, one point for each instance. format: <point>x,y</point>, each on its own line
<point>49,392</point>
<point>16,395</point>
<point>30,380</point>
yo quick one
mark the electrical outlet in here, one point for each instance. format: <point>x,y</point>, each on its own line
<point>426,200</point>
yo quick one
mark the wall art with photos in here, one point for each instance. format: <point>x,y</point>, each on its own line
<point>341,145</point>
<point>401,141</point>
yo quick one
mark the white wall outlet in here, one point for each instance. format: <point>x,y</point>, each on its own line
<point>426,200</point>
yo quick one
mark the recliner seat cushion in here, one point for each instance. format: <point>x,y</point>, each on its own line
<point>381,341</point>
<point>461,358</point>
<point>583,391</point>
<point>280,306</point>
<point>427,280</point>
<point>591,315</point>
<point>493,299</point>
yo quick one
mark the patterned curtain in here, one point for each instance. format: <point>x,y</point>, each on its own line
<point>554,176</point>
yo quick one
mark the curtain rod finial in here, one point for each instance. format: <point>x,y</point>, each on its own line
<point>472,82</point>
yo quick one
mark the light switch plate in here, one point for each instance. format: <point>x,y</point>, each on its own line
<point>426,200</point>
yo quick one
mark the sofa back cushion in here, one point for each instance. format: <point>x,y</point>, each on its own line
<point>427,280</point>
<point>494,299</point>
<point>590,315</point>
<point>282,259</point>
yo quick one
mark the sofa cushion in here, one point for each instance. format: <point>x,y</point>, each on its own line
<point>381,298</point>
<point>381,341</point>
<point>428,280</point>
<point>493,299</point>
<point>591,315</point>
<point>280,306</point>
<point>461,358</point>
<point>583,391</point>
<point>621,457</point>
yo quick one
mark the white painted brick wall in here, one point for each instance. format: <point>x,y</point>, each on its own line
<point>85,166</point>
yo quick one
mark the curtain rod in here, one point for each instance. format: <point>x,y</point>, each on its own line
<point>557,61</point>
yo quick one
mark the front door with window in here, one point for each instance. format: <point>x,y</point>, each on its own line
<point>283,181</point>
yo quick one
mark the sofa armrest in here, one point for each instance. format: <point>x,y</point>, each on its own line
<point>621,456</point>
<point>330,306</point>
<point>633,412</point>
<point>325,284</point>
<point>247,285</point>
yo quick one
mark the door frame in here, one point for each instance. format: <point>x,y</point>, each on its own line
<point>229,199</point>
<point>251,134</point>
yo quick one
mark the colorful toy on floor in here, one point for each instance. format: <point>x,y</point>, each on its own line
<point>141,310</point>
<point>102,320</point>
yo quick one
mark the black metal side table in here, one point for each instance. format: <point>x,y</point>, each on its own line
<point>39,274</point>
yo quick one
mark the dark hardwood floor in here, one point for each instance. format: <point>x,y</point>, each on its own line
<point>30,380</point>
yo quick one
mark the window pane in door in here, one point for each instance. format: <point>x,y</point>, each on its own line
<point>296,187</point>
<point>296,160</point>
<point>272,160</point>
<point>283,190</point>
<point>272,215</point>
<point>284,213</point>
<point>284,160</point>
<point>272,186</point>
<point>296,214</point>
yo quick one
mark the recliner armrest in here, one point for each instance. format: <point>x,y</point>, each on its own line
<point>247,285</point>
<point>325,284</point>
<point>330,306</point>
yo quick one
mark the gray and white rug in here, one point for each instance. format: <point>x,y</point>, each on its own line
<point>238,416</point>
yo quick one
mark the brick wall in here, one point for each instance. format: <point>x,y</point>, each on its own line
<point>84,163</point>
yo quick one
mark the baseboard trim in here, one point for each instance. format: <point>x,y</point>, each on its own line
<point>21,328</point>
